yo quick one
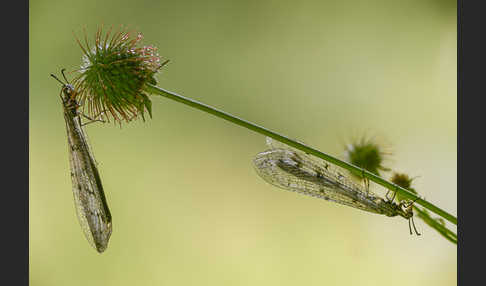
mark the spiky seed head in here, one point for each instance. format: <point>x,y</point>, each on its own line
<point>114,73</point>
<point>404,181</point>
<point>367,154</point>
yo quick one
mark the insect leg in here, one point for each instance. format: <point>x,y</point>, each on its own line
<point>91,121</point>
<point>411,203</point>
<point>95,119</point>
<point>366,182</point>
<point>393,197</point>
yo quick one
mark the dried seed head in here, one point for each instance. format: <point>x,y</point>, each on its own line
<point>114,74</point>
<point>366,154</point>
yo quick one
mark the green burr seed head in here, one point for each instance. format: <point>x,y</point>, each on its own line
<point>114,74</point>
<point>366,154</point>
<point>404,181</point>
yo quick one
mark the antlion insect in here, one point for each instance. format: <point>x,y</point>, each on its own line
<point>294,171</point>
<point>91,207</point>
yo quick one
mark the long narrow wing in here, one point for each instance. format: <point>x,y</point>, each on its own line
<point>294,171</point>
<point>91,207</point>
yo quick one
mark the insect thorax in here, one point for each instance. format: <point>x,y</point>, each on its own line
<point>69,99</point>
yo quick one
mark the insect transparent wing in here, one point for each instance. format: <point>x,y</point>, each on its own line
<point>312,163</point>
<point>274,144</point>
<point>295,172</point>
<point>91,209</point>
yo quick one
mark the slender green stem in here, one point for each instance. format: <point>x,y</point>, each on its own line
<point>352,168</point>
<point>433,223</point>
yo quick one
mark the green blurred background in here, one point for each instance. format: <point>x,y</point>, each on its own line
<point>187,206</point>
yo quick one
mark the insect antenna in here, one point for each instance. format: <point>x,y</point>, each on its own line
<point>413,223</point>
<point>62,71</point>
<point>409,227</point>
<point>58,79</point>
<point>63,84</point>
<point>409,208</point>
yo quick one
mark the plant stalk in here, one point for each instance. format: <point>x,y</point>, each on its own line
<point>433,223</point>
<point>309,150</point>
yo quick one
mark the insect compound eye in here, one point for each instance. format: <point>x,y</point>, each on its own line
<point>68,89</point>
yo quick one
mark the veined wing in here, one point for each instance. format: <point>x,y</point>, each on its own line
<point>294,171</point>
<point>91,207</point>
